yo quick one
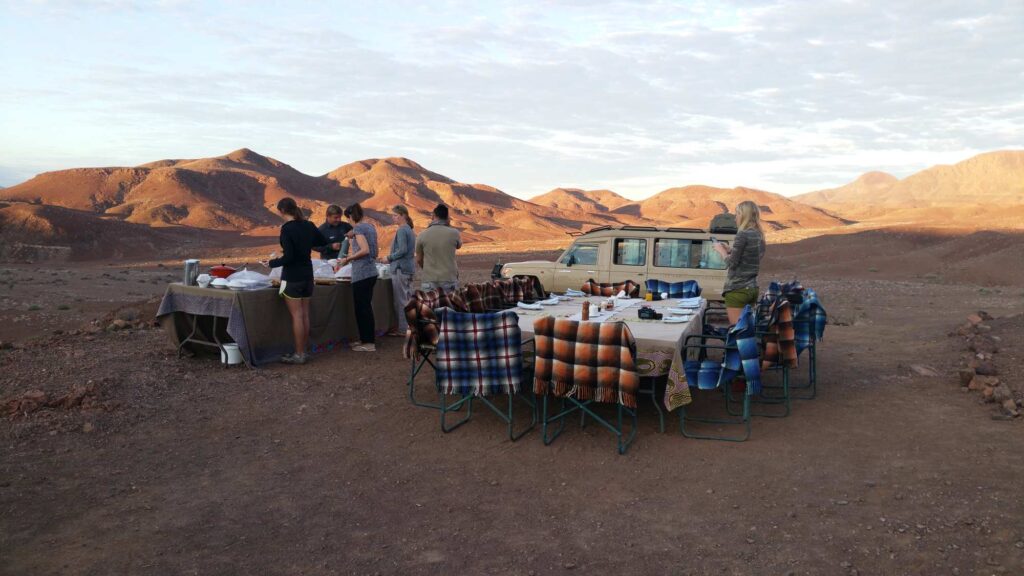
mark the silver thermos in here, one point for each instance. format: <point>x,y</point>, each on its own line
<point>191,272</point>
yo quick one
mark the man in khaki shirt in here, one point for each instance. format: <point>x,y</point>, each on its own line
<point>435,253</point>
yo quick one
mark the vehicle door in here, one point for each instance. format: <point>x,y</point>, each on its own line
<point>629,260</point>
<point>579,263</point>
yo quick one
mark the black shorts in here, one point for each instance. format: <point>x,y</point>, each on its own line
<point>296,288</point>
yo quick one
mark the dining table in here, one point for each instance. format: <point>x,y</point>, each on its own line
<point>659,343</point>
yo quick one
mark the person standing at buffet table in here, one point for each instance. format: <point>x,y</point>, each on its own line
<point>334,229</point>
<point>435,253</point>
<point>298,236</point>
<point>363,257</point>
<point>401,267</point>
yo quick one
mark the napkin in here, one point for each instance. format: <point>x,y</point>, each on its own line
<point>526,306</point>
<point>621,294</point>
<point>549,301</point>
<point>571,292</point>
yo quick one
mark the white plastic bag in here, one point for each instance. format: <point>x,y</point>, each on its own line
<point>252,280</point>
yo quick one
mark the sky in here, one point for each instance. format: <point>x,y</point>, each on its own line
<point>523,95</point>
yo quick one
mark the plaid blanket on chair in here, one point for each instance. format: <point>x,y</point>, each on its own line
<point>741,358</point>
<point>438,298</point>
<point>474,298</point>
<point>780,345</point>
<point>593,288</point>
<point>532,288</point>
<point>506,288</point>
<point>685,289</point>
<point>492,297</point>
<point>423,325</point>
<point>809,321</point>
<point>586,360</point>
<point>478,354</point>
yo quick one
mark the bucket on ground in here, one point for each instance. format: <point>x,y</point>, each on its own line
<point>230,354</point>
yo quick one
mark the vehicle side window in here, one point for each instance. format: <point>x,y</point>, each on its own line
<point>672,253</point>
<point>709,258</point>
<point>630,251</point>
<point>581,255</point>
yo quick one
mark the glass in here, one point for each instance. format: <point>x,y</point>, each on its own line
<point>672,253</point>
<point>709,258</point>
<point>581,254</point>
<point>630,251</point>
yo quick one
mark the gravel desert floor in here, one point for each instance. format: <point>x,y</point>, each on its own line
<point>161,465</point>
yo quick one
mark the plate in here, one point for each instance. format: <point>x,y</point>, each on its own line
<point>674,319</point>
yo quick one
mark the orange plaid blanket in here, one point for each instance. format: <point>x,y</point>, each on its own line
<point>586,360</point>
<point>594,288</point>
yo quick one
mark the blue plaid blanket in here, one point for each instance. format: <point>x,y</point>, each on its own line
<point>740,358</point>
<point>478,354</point>
<point>809,321</point>
<point>686,289</point>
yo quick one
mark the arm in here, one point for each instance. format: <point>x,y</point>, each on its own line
<point>363,252</point>
<point>739,245</point>
<point>289,253</point>
<point>458,240</point>
<point>401,247</point>
<point>419,253</point>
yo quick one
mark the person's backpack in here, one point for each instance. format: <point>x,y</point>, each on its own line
<point>724,223</point>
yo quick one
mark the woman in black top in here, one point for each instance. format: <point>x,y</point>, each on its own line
<point>298,237</point>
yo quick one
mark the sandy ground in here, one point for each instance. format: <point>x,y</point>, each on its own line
<point>179,466</point>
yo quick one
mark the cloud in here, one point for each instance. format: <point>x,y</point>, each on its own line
<point>526,96</point>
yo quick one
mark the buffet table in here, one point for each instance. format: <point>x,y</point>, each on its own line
<point>258,320</point>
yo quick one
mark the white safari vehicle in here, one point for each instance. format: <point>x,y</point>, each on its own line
<point>638,253</point>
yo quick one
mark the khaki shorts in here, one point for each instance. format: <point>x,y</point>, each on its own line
<point>740,297</point>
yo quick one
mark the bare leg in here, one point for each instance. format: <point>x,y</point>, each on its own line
<point>734,315</point>
<point>298,323</point>
<point>305,324</point>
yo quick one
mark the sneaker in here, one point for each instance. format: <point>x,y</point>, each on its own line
<point>365,348</point>
<point>294,359</point>
<point>354,344</point>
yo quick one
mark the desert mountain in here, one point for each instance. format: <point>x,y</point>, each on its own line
<point>870,186</point>
<point>238,192</point>
<point>694,206</point>
<point>575,200</point>
<point>986,190</point>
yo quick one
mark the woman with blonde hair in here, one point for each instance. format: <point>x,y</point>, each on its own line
<point>743,260</point>
<point>401,267</point>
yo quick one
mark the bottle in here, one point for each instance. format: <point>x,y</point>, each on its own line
<point>585,314</point>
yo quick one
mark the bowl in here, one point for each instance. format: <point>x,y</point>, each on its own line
<point>219,283</point>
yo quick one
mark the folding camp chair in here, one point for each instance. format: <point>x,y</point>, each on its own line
<point>809,323</point>
<point>778,352</point>
<point>583,363</point>
<point>421,343</point>
<point>685,289</point>
<point>479,356</point>
<point>740,356</point>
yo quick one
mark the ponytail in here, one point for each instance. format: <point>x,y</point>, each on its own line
<point>288,206</point>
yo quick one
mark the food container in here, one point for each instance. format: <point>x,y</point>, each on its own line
<point>203,280</point>
<point>219,283</point>
<point>191,272</point>
<point>221,271</point>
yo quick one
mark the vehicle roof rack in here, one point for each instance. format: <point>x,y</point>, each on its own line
<point>643,228</point>
<point>699,230</point>
<point>598,229</point>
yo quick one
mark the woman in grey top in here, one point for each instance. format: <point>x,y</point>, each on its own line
<point>363,257</point>
<point>401,267</point>
<point>743,260</point>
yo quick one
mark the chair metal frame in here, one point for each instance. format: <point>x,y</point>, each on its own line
<point>623,441</point>
<point>745,416</point>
